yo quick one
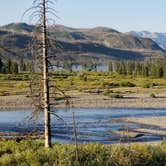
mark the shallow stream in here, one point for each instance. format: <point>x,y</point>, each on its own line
<point>93,124</point>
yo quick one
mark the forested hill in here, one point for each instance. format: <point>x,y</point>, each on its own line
<point>98,43</point>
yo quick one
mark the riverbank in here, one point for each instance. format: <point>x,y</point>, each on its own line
<point>154,126</point>
<point>15,102</point>
<point>87,100</point>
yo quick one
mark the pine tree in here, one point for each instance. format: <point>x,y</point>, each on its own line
<point>8,66</point>
<point>1,66</point>
<point>22,65</point>
<point>14,68</point>
<point>110,66</point>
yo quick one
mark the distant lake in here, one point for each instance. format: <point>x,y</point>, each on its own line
<point>93,124</point>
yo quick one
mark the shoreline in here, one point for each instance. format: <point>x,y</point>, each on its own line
<point>85,100</point>
<point>148,127</point>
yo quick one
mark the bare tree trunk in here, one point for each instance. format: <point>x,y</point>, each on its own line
<point>75,137</point>
<point>45,79</point>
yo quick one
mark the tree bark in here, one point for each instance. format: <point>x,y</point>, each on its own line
<point>45,79</point>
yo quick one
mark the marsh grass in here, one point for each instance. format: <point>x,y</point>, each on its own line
<point>81,81</point>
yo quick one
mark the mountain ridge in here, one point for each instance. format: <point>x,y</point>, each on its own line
<point>158,37</point>
<point>99,42</point>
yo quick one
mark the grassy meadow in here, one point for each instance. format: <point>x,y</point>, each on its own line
<point>101,82</point>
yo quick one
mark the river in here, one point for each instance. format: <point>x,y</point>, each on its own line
<point>93,124</point>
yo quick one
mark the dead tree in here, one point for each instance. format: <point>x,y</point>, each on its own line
<point>40,48</point>
<point>45,78</point>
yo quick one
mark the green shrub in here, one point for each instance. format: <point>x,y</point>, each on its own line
<point>4,93</point>
<point>112,94</point>
<point>115,95</point>
<point>21,85</point>
<point>127,84</point>
<point>149,85</point>
<point>146,85</point>
<point>110,84</point>
<point>152,95</point>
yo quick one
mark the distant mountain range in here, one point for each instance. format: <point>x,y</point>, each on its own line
<point>159,38</point>
<point>97,44</point>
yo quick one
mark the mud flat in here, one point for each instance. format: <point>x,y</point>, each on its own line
<point>85,100</point>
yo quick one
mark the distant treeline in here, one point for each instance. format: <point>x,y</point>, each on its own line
<point>151,68</point>
<point>13,67</point>
<point>155,68</point>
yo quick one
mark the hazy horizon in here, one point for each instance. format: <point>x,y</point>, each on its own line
<point>92,27</point>
<point>123,16</point>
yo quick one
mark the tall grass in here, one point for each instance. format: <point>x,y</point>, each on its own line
<point>28,153</point>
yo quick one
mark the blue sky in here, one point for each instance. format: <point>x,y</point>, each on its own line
<point>123,15</point>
